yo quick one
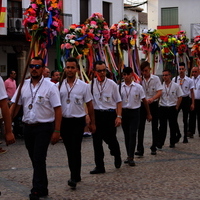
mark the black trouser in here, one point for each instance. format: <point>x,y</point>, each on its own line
<point>72,133</point>
<point>130,123</point>
<point>37,139</point>
<point>154,126</point>
<point>105,131</point>
<point>185,107</point>
<point>167,114</point>
<point>194,116</point>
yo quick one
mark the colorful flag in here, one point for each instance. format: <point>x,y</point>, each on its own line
<point>2,15</point>
<point>164,30</point>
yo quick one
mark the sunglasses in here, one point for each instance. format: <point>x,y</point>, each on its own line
<point>70,67</point>
<point>101,70</point>
<point>35,66</point>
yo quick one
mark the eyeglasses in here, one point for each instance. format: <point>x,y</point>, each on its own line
<point>194,71</point>
<point>165,75</point>
<point>35,66</point>
<point>101,70</point>
<point>124,74</point>
<point>70,67</point>
<point>14,73</point>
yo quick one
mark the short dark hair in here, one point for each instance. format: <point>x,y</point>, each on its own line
<point>98,62</point>
<point>167,70</point>
<point>144,64</point>
<point>127,70</point>
<point>52,72</point>
<point>38,58</point>
<point>72,59</point>
<point>182,64</point>
<point>11,70</point>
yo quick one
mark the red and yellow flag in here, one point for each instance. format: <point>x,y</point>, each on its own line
<point>2,15</point>
<point>164,30</point>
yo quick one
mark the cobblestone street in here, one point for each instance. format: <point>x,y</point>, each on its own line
<point>171,174</point>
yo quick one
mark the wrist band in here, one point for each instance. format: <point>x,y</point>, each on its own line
<point>56,131</point>
<point>119,116</point>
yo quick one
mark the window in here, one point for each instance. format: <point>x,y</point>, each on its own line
<point>169,16</point>
<point>67,20</point>
<point>106,12</point>
<point>15,9</point>
<point>83,11</point>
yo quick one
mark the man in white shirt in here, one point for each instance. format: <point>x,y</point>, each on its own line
<point>42,117</point>
<point>187,86</point>
<point>9,137</point>
<point>153,90</point>
<point>132,94</point>
<point>169,104</point>
<point>74,94</point>
<point>108,108</point>
<point>194,115</point>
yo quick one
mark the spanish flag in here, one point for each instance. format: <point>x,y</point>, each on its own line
<point>164,30</point>
<point>2,14</point>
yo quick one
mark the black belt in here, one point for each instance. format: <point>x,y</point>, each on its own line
<point>109,110</point>
<point>37,124</point>
<point>128,109</point>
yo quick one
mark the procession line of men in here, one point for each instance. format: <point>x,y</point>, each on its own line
<point>53,110</point>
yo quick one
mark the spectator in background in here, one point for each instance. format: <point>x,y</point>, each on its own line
<point>10,84</point>
<point>46,73</point>
<point>55,76</point>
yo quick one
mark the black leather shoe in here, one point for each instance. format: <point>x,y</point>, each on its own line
<point>34,196</point>
<point>172,146</point>
<point>185,140</point>
<point>97,171</point>
<point>153,152</point>
<point>178,138</point>
<point>126,161</point>
<point>137,153</point>
<point>72,183</point>
<point>131,162</point>
<point>118,162</point>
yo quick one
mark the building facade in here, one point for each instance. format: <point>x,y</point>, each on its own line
<point>13,44</point>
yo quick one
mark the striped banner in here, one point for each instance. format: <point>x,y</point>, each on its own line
<point>2,15</point>
<point>164,30</point>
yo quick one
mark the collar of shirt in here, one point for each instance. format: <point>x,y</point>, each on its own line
<point>132,83</point>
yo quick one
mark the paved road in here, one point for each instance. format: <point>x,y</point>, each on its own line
<point>171,174</point>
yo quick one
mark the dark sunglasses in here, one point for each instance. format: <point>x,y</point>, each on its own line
<point>101,70</point>
<point>35,66</point>
<point>70,67</point>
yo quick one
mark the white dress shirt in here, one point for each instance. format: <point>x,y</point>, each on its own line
<point>170,94</point>
<point>47,97</point>
<point>186,84</point>
<point>74,105</point>
<point>151,86</point>
<point>105,96</point>
<point>132,95</point>
<point>196,83</point>
<point>3,94</point>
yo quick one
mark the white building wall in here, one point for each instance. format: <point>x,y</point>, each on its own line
<point>153,14</point>
<point>188,13</point>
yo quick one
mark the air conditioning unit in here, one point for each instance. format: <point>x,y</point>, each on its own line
<point>15,25</point>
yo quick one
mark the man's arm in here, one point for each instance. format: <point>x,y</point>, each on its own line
<point>14,109</point>
<point>90,109</point>
<point>192,97</point>
<point>9,136</point>
<point>156,96</point>
<point>58,117</point>
<point>118,120</point>
<point>178,102</point>
<point>146,105</point>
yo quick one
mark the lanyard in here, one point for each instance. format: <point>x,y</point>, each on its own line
<point>102,87</point>
<point>33,96</point>
<point>168,89</point>
<point>69,91</point>
<point>127,93</point>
